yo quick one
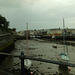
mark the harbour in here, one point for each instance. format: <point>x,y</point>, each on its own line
<point>44,48</point>
<point>38,48</point>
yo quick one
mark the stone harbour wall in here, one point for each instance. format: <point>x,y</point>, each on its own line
<point>6,40</point>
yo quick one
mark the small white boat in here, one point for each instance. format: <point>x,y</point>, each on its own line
<point>27,64</point>
<point>63,57</point>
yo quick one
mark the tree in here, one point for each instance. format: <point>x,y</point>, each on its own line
<point>14,29</point>
<point>4,22</point>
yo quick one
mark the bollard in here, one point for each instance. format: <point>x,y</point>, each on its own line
<point>22,63</point>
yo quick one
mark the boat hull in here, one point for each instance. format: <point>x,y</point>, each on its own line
<point>27,64</point>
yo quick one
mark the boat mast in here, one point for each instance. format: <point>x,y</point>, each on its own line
<point>27,39</point>
<point>64,34</point>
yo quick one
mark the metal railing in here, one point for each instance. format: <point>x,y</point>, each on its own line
<point>22,57</point>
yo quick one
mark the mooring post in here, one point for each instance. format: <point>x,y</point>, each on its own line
<point>22,63</point>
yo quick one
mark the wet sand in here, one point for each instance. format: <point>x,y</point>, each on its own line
<point>39,49</point>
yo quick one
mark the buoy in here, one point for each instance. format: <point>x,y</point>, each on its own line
<point>69,68</point>
<point>31,73</point>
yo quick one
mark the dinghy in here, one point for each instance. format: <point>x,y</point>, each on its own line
<point>64,57</point>
<point>27,64</point>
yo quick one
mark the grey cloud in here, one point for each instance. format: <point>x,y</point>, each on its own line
<point>10,4</point>
<point>39,15</point>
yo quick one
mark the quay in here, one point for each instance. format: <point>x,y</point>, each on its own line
<point>6,44</point>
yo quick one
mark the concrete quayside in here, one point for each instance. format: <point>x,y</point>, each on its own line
<point>6,44</point>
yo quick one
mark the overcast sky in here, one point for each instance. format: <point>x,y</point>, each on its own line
<point>40,14</point>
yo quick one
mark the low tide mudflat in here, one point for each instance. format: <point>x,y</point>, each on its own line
<point>39,49</point>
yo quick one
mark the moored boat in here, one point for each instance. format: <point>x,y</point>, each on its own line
<point>27,64</point>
